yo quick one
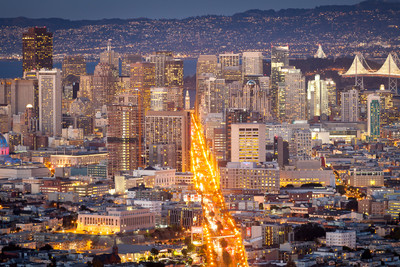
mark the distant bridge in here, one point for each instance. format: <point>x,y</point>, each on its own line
<point>360,69</point>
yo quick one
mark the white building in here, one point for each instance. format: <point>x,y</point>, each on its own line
<point>341,238</point>
<point>317,97</point>
<point>50,98</point>
<point>248,142</point>
<point>300,146</point>
<point>153,206</point>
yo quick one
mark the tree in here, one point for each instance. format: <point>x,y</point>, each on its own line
<point>340,189</point>
<point>308,232</point>
<point>366,255</point>
<point>46,247</point>
<point>188,240</point>
<point>352,205</point>
<point>311,185</point>
<point>290,264</point>
<point>184,252</point>
<point>150,258</point>
<point>191,247</point>
<point>224,243</point>
<point>154,251</point>
<point>261,206</point>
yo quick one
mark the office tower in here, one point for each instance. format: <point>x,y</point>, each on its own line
<point>216,97</point>
<point>111,58</point>
<point>234,116</point>
<point>187,100</point>
<point>251,97</point>
<point>229,60</point>
<point>159,98</point>
<point>163,155</point>
<point>374,115</point>
<point>126,62</point>
<point>292,104</point>
<point>170,128</point>
<point>219,144</point>
<point>125,133</point>
<point>207,64</point>
<point>264,83</point>
<point>104,85</point>
<point>73,65</point>
<point>252,63</point>
<point>332,97</point>
<point>18,93</point>
<point>86,87</point>
<point>350,106</point>
<point>318,97</point>
<point>142,79</point>
<point>50,98</point>
<point>248,142</point>
<point>5,118</point>
<point>37,49</point>
<point>279,59</point>
<point>174,98</point>
<point>159,59</point>
<point>173,73</point>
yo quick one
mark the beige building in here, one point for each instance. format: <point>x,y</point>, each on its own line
<point>116,220</point>
<point>249,175</point>
<point>366,178</point>
<point>248,142</point>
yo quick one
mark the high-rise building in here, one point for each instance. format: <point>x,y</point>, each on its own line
<point>173,73</point>
<point>73,65</point>
<point>142,79</point>
<point>111,58</point>
<point>350,106</point>
<point>234,116</point>
<point>159,59</point>
<point>125,133</point>
<point>281,148</point>
<point>292,104</point>
<point>374,115</point>
<point>252,63</point>
<point>248,142</point>
<point>126,62</point>
<point>159,98</point>
<point>332,97</point>
<point>317,97</point>
<point>104,85</point>
<point>229,60</point>
<point>279,59</point>
<point>50,98</point>
<point>300,145</point>
<point>170,128</point>
<point>37,49</point>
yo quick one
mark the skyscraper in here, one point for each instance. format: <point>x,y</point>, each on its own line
<point>159,59</point>
<point>50,98</point>
<point>292,104</point>
<point>279,59</point>
<point>104,85</point>
<point>110,57</point>
<point>125,133</point>
<point>350,106</point>
<point>374,115</point>
<point>170,128</point>
<point>143,78</point>
<point>229,60</point>
<point>37,49</point>
<point>252,63</point>
<point>73,65</point>
<point>173,73</point>
<point>126,62</point>
<point>317,97</point>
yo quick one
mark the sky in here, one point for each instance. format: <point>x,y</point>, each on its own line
<point>155,9</point>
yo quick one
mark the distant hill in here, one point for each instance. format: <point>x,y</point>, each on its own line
<point>372,27</point>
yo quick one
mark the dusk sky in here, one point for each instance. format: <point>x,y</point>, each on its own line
<point>97,9</point>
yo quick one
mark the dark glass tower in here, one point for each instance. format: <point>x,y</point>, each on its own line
<point>37,49</point>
